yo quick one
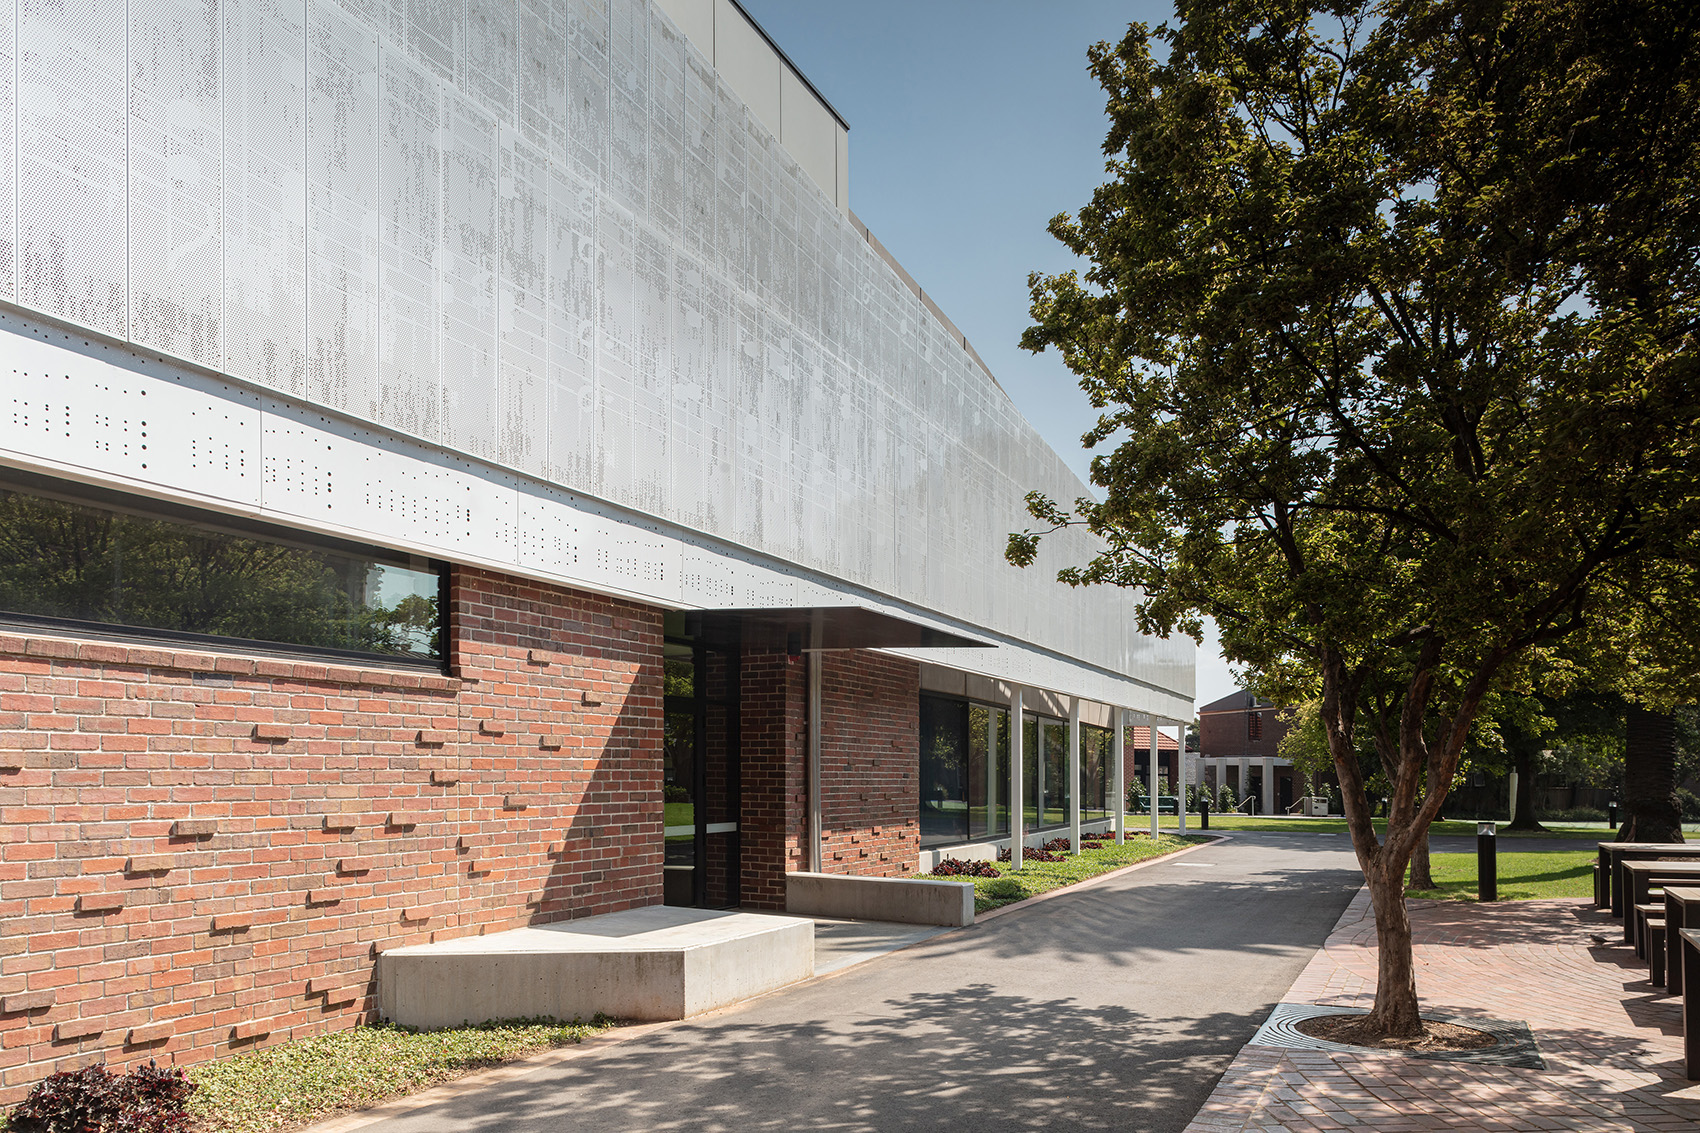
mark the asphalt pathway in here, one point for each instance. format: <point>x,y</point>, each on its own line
<point>1115,1007</point>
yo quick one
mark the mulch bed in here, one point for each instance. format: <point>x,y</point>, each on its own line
<point>1352,1030</point>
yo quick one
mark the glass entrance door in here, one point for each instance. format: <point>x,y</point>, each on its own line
<point>700,778</point>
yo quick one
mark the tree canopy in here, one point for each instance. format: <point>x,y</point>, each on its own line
<point>1390,314</point>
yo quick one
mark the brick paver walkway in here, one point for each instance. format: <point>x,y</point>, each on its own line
<point>1612,1042</point>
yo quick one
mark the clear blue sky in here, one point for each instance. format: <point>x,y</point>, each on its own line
<point>972,123</point>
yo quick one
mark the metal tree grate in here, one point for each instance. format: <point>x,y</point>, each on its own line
<point>1516,1046</point>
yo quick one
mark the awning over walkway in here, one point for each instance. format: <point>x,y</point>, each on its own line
<point>793,630</point>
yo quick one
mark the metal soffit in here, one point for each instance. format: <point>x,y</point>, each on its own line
<point>796,629</point>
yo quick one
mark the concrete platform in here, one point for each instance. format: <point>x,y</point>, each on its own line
<point>647,964</point>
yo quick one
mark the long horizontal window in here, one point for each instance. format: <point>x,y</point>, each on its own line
<point>108,566</point>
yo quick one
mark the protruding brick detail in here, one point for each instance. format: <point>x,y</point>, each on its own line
<point>249,1031</point>
<point>24,1002</point>
<point>10,765</point>
<point>149,1034</point>
<point>100,902</point>
<point>430,737</point>
<point>492,728</point>
<point>339,823</point>
<point>403,818</point>
<point>72,1030</point>
<point>518,802</point>
<point>444,777</point>
<point>232,922</point>
<point>551,742</point>
<point>590,698</point>
<point>271,733</point>
<point>336,990</point>
<point>416,916</point>
<point>353,865</point>
<point>149,863</point>
<point>540,657</point>
<point>126,755</point>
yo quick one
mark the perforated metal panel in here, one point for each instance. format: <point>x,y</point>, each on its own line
<point>66,403</point>
<point>175,192</point>
<point>264,224</point>
<point>71,161</point>
<point>8,155</point>
<point>544,234</point>
<point>342,211</point>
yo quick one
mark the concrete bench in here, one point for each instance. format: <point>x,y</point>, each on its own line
<point>901,899</point>
<point>657,963</point>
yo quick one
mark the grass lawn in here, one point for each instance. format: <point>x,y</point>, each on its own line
<point>1039,877</point>
<point>307,1080</point>
<point>1522,877</point>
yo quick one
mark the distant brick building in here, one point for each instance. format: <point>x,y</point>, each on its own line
<point>1238,737</point>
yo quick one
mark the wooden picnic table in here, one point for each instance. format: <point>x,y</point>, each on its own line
<point>1689,941</point>
<point>1609,892</point>
<point>1639,879</point>
<point>1682,910</point>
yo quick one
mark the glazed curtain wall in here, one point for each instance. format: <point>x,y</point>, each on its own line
<point>549,236</point>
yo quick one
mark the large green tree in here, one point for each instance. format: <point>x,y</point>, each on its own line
<point>1390,314</point>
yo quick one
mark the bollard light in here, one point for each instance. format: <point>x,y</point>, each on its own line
<point>1203,812</point>
<point>1487,862</point>
<point>1611,814</point>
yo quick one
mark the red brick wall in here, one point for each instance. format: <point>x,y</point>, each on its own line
<point>202,851</point>
<point>870,802</point>
<point>870,757</point>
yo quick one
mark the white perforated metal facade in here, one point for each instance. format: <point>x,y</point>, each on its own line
<point>548,242</point>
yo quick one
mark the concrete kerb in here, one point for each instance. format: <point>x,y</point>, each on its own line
<point>470,1083</point>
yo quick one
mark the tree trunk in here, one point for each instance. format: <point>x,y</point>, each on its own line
<point>1649,778</point>
<point>1421,878</point>
<point>1525,763</point>
<point>1395,1011</point>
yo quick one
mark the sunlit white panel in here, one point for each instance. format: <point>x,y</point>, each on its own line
<point>320,467</point>
<point>72,182</point>
<point>616,288</point>
<point>342,212</point>
<point>666,129</point>
<point>714,578</point>
<point>80,404</point>
<point>596,546</point>
<point>264,223</point>
<point>545,101</point>
<point>410,190</point>
<point>175,198</point>
<point>466,278</point>
<point>486,54</point>
<point>571,266</point>
<point>8,154</point>
<point>730,203</point>
<point>587,84</point>
<point>628,111</point>
<point>523,313</point>
<point>654,376</point>
<point>430,29</point>
<point>700,168</point>
<point>389,18</point>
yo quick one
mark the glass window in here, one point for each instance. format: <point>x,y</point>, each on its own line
<point>1097,754</point>
<point>1056,786</point>
<point>104,566</point>
<point>988,771</point>
<point>944,778</point>
<point>1032,773</point>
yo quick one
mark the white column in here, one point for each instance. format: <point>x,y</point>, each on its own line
<point>991,773</point>
<point>1151,774</point>
<point>1016,803</point>
<point>1118,721</point>
<point>1268,786</point>
<point>1245,777</point>
<point>1074,773</point>
<point>1180,778</point>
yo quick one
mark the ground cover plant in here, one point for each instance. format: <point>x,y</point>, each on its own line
<point>1005,886</point>
<point>294,1083</point>
<point>149,1099</point>
<point>1522,877</point>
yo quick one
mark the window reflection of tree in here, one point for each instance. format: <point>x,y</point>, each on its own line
<point>67,560</point>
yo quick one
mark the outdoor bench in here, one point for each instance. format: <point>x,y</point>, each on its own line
<point>1608,879</point>
<point>1682,910</point>
<point>1639,877</point>
<point>1690,939</point>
